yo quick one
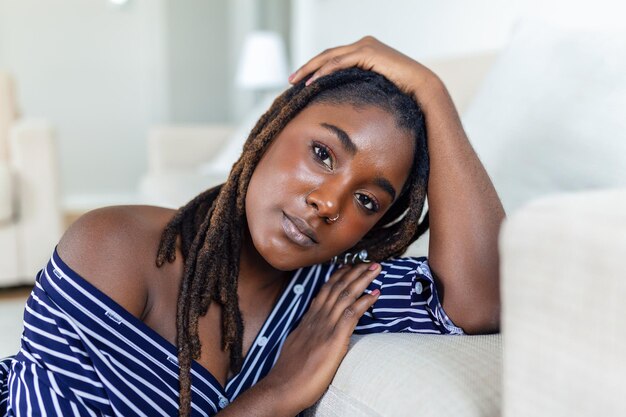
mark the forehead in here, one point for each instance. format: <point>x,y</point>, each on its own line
<point>368,126</point>
<point>380,143</point>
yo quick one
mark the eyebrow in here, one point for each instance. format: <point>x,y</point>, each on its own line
<point>386,185</point>
<point>343,137</point>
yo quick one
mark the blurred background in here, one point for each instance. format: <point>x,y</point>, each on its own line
<point>104,73</point>
<point>106,102</point>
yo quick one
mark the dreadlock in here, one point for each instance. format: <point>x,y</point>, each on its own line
<point>211,225</point>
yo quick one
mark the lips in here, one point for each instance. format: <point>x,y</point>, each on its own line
<point>298,230</point>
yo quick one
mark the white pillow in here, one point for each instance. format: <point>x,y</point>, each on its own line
<point>551,114</point>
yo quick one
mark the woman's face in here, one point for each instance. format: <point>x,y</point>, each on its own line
<point>329,160</point>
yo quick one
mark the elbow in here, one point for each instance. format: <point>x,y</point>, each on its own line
<point>474,304</point>
<point>475,315</point>
<point>483,320</point>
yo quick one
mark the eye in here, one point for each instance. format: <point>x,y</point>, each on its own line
<point>322,154</point>
<point>368,202</point>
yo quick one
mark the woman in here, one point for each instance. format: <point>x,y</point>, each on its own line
<point>339,164</point>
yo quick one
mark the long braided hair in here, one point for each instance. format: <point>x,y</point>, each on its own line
<point>211,225</point>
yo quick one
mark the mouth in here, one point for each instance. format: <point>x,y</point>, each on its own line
<point>298,231</point>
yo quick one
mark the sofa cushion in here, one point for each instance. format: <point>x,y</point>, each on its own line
<point>550,114</point>
<point>404,374</point>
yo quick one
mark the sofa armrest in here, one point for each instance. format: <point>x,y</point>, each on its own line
<point>400,374</point>
<point>563,288</point>
<point>184,148</point>
<point>33,151</point>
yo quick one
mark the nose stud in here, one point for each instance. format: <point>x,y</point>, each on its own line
<point>333,219</point>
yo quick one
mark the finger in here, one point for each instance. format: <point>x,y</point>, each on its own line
<point>353,292</point>
<point>317,61</point>
<point>331,290</point>
<point>324,292</point>
<point>336,63</point>
<point>340,271</point>
<point>350,315</point>
<point>342,282</point>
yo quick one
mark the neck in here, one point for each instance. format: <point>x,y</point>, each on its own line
<point>255,272</point>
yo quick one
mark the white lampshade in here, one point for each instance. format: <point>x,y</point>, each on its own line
<point>263,63</point>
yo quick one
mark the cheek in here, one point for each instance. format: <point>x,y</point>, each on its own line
<point>291,173</point>
<point>265,180</point>
<point>349,232</point>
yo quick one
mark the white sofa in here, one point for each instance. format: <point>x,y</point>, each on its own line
<point>30,208</point>
<point>546,117</point>
<point>175,157</point>
<point>564,285</point>
<point>562,348</point>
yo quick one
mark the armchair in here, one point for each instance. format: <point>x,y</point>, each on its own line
<point>30,209</point>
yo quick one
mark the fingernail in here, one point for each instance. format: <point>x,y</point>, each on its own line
<point>309,81</point>
<point>291,76</point>
<point>373,267</point>
<point>376,292</point>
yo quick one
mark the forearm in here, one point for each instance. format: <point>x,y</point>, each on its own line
<point>261,400</point>
<point>465,216</point>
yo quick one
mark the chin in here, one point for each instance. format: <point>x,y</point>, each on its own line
<point>283,259</point>
<point>285,256</point>
<point>281,265</point>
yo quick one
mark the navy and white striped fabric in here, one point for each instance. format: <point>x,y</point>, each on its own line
<point>84,355</point>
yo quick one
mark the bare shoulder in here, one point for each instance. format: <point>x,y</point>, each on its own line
<point>114,249</point>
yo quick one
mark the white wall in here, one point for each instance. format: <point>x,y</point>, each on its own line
<point>197,44</point>
<point>423,29</point>
<point>429,30</point>
<point>604,15</point>
<point>98,73</point>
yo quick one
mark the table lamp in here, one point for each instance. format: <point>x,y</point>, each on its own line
<point>263,63</point>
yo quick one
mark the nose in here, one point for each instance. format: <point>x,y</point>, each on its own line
<point>325,200</point>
